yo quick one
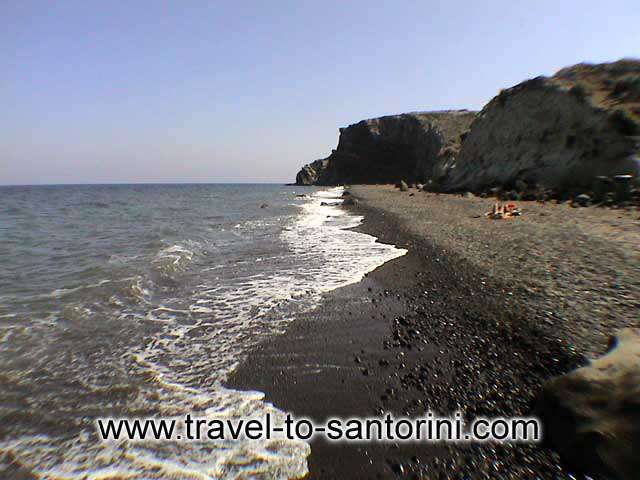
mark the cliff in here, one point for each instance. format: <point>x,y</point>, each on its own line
<point>411,146</point>
<point>311,173</point>
<point>558,132</point>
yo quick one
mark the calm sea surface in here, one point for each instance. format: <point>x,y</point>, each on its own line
<point>138,300</point>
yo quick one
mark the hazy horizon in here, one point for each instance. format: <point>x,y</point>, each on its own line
<point>125,183</point>
<point>203,92</point>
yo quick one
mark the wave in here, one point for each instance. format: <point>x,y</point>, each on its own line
<point>323,239</point>
<point>179,350</point>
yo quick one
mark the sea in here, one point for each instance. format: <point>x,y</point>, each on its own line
<point>138,301</point>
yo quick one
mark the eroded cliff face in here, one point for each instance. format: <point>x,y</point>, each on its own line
<point>311,173</point>
<point>411,147</point>
<point>559,132</point>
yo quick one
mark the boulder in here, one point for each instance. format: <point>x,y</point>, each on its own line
<point>591,415</point>
<point>582,200</point>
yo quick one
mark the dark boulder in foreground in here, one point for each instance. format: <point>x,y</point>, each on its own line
<point>411,146</point>
<point>591,416</point>
<point>559,132</point>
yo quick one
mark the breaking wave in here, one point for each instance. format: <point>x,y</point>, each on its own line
<point>163,340</point>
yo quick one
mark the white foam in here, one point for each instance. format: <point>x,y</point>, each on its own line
<point>202,342</point>
<point>323,233</point>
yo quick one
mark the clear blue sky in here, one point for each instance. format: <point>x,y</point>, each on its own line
<point>248,91</point>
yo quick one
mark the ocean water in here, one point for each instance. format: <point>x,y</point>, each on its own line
<point>139,300</point>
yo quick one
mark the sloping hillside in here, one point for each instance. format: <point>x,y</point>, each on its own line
<point>558,132</point>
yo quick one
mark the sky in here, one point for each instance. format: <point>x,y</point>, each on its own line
<point>248,91</point>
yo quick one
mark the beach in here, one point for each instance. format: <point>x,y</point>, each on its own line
<point>258,241</point>
<point>475,317</point>
<point>139,300</point>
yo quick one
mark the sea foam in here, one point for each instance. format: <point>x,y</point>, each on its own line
<point>198,341</point>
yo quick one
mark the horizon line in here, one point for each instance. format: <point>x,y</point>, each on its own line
<point>137,183</point>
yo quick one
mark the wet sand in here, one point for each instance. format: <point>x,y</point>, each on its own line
<point>475,317</point>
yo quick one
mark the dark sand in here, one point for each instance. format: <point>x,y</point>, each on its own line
<point>475,317</point>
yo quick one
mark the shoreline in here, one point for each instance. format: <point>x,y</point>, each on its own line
<point>469,338</point>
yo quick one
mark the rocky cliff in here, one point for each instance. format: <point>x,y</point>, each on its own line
<point>558,132</point>
<point>311,173</point>
<point>411,146</point>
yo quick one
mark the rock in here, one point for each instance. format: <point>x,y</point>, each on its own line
<point>533,192</point>
<point>419,186</point>
<point>403,186</point>
<point>513,195</point>
<point>591,415</point>
<point>413,146</point>
<point>582,200</point>
<point>609,199</point>
<point>312,173</point>
<point>513,138</point>
<point>350,201</point>
<point>521,186</point>
<point>264,205</point>
<point>559,132</point>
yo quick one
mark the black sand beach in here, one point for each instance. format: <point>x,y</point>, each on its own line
<point>475,317</point>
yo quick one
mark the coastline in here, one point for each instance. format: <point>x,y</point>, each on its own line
<point>477,331</point>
